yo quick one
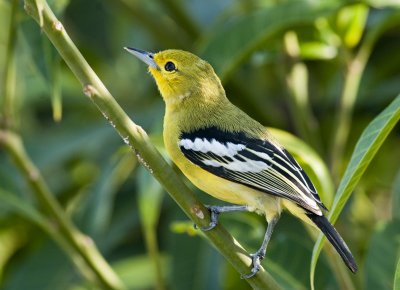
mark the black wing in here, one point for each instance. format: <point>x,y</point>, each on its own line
<point>256,163</point>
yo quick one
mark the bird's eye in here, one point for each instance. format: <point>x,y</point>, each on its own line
<point>170,66</point>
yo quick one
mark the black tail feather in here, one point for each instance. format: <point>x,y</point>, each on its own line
<point>335,239</point>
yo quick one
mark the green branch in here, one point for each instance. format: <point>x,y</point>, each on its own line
<point>75,239</point>
<point>137,139</point>
<point>7,114</point>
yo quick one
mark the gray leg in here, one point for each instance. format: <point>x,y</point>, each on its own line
<point>216,210</point>
<point>260,254</point>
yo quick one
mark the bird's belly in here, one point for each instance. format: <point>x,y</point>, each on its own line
<point>235,193</point>
<point>218,187</point>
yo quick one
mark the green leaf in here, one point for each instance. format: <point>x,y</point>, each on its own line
<point>56,94</point>
<point>351,22</point>
<point>396,198</point>
<point>115,173</point>
<point>46,263</point>
<point>396,217</point>
<point>367,146</point>
<point>39,6</point>
<point>137,272</point>
<point>310,161</point>
<point>15,204</point>
<point>284,276</point>
<point>383,3</point>
<point>290,247</point>
<point>150,196</point>
<point>12,237</point>
<point>233,43</point>
<point>396,283</point>
<point>317,50</point>
<point>46,62</point>
<point>382,257</point>
<point>59,6</point>
<point>52,62</point>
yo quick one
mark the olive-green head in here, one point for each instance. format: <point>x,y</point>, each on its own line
<point>182,76</point>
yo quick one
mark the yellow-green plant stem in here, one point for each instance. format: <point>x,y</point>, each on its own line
<point>154,253</point>
<point>354,71</point>
<point>79,242</point>
<point>7,119</point>
<point>296,78</point>
<point>137,138</point>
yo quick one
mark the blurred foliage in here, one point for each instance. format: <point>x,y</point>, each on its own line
<point>321,70</point>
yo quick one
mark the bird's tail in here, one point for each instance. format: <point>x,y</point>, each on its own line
<point>335,239</point>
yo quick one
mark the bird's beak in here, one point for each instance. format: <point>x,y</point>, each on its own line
<point>146,57</point>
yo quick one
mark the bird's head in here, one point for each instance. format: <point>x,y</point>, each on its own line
<point>182,76</point>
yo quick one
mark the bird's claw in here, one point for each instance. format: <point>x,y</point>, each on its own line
<point>214,219</point>
<point>206,228</point>
<point>256,262</point>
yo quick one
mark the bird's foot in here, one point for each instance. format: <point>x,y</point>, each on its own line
<point>256,263</point>
<point>215,211</point>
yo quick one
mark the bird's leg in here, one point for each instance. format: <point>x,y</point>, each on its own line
<point>216,210</point>
<point>260,254</point>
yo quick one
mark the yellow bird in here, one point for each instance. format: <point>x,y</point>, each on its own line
<point>229,155</point>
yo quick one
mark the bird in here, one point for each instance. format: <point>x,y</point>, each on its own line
<point>229,155</point>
